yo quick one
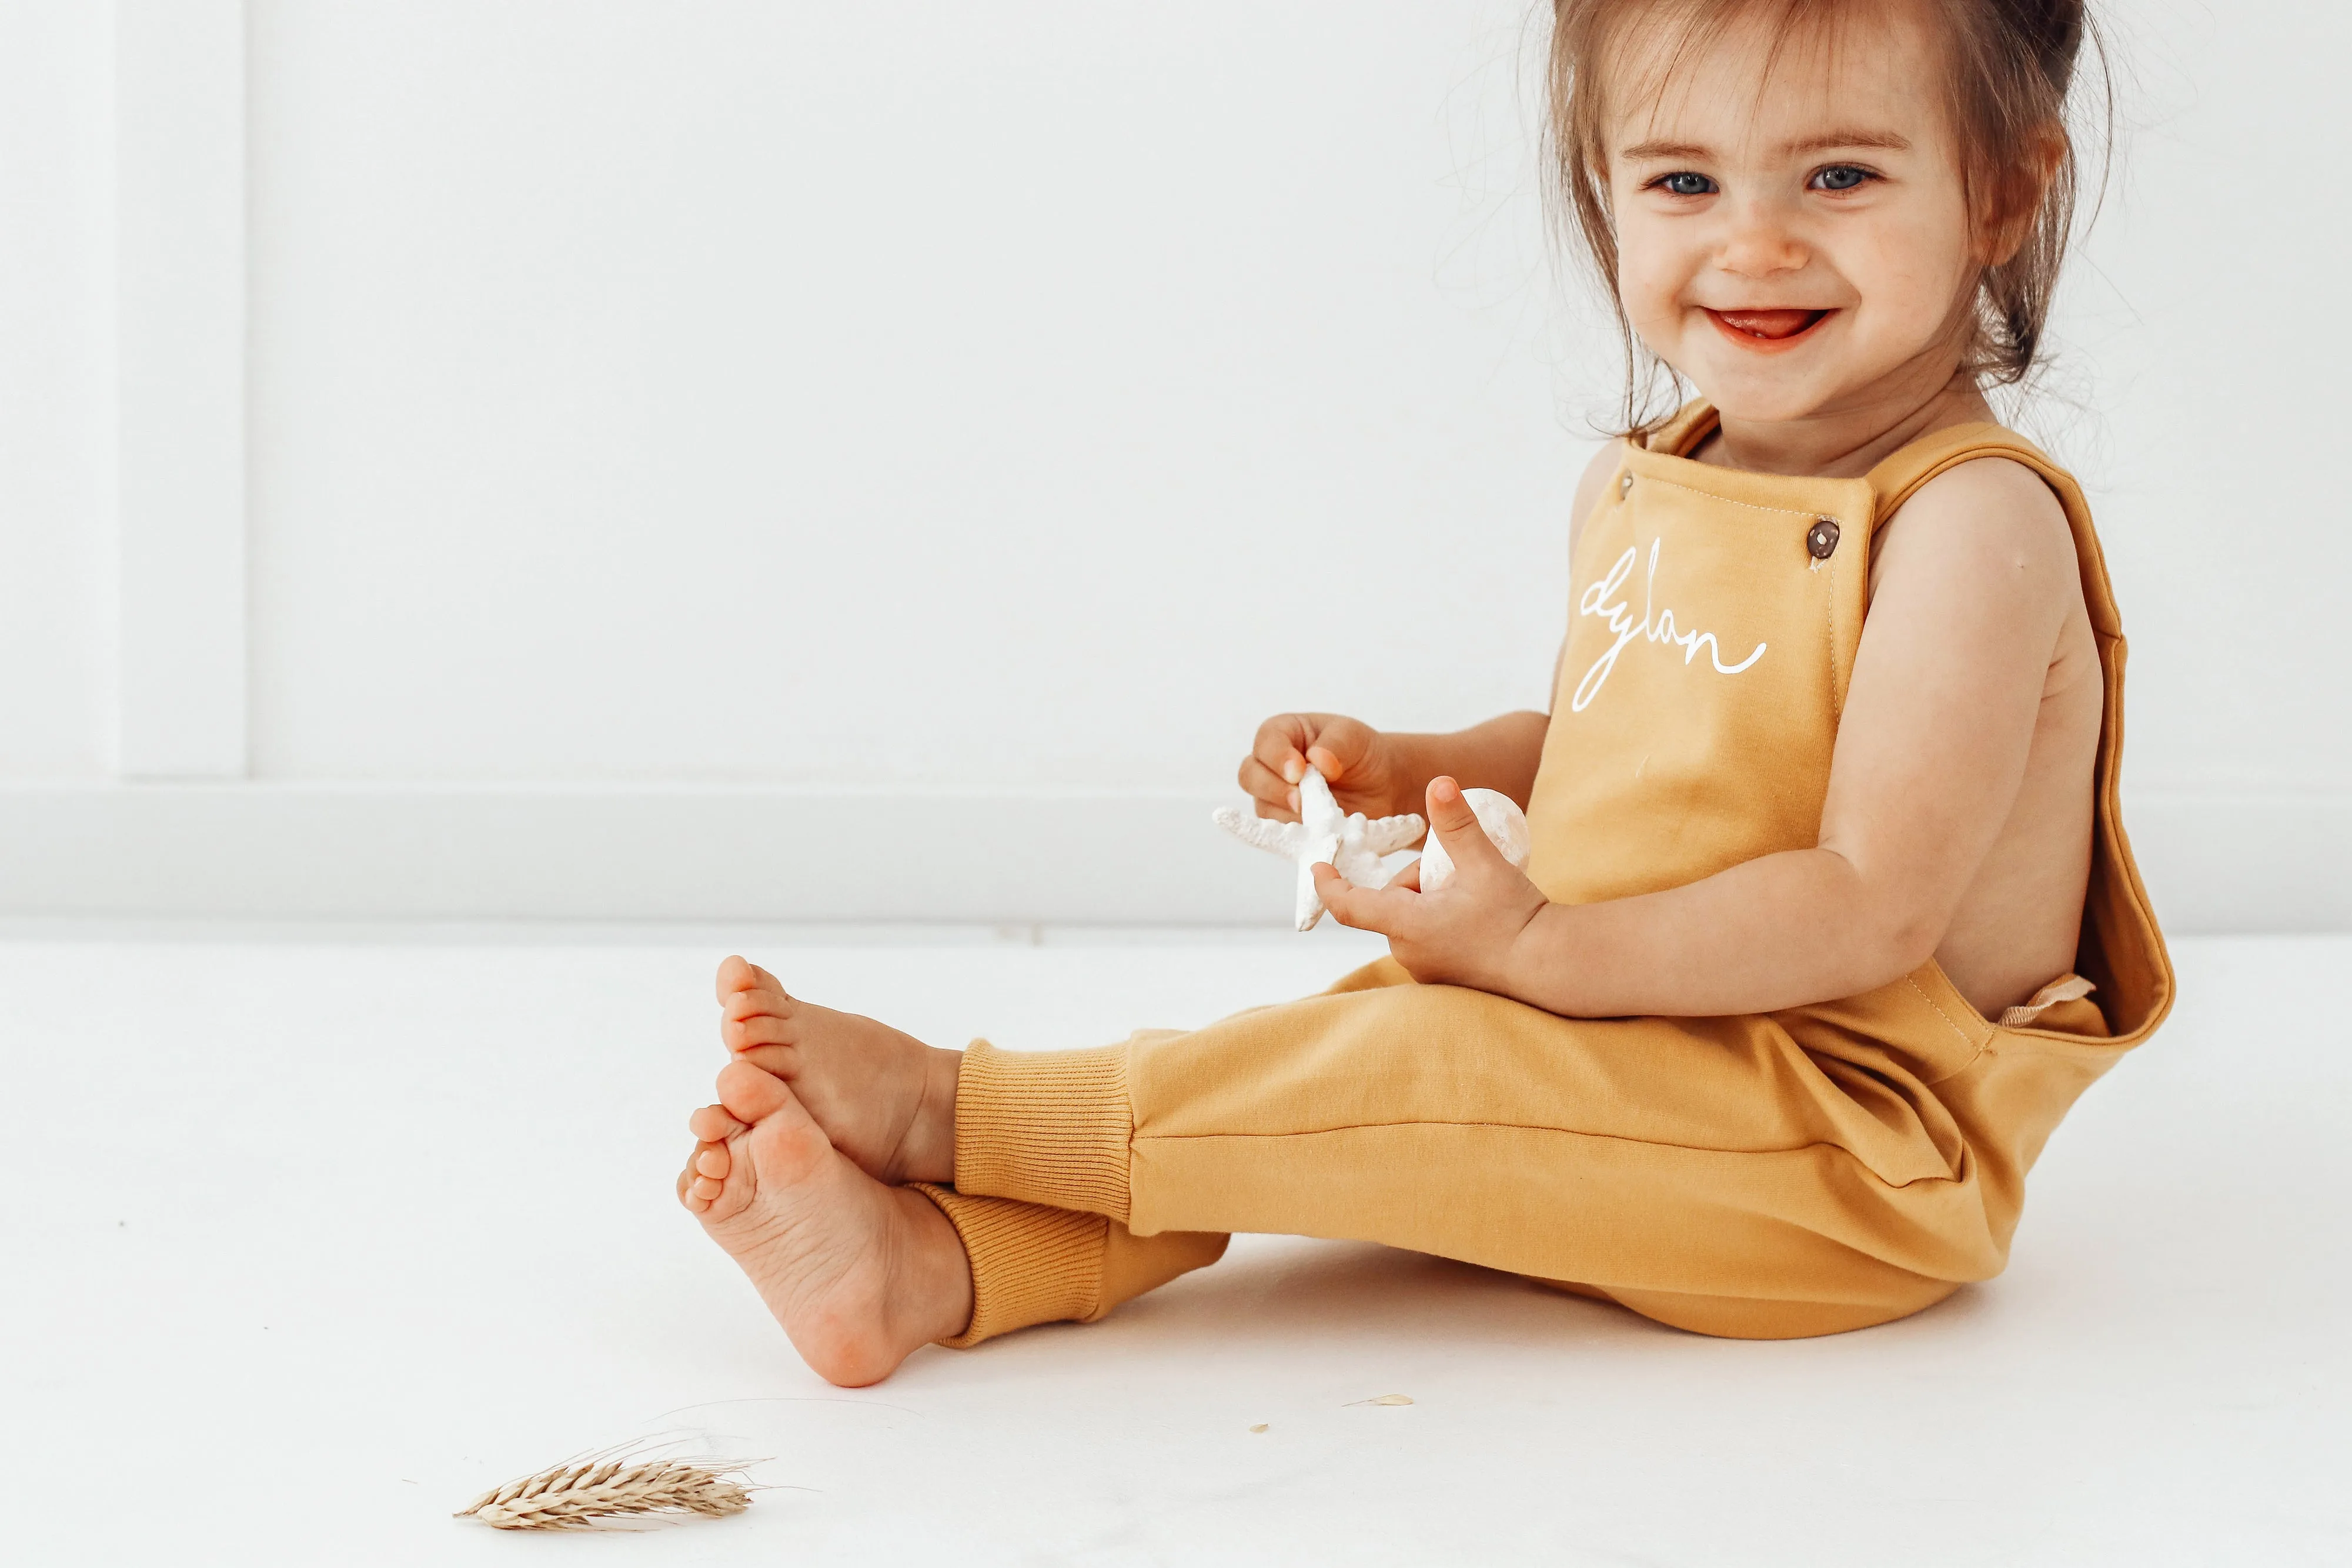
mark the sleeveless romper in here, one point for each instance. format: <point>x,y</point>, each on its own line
<point>1771,1175</point>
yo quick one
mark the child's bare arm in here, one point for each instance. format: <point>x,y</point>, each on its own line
<point>1974,585</point>
<point>1500,754</point>
<point>1381,773</point>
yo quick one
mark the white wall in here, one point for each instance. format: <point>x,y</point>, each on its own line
<point>892,393</point>
<point>2202,337</point>
<point>670,425</point>
<point>56,603</point>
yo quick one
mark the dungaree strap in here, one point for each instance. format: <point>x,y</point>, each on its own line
<point>1682,430</point>
<point>2122,949</point>
<point>1899,478</point>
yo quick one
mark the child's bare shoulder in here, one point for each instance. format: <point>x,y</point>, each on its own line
<point>1988,526</point>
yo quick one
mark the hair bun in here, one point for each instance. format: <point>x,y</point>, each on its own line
<point>2055,26</point>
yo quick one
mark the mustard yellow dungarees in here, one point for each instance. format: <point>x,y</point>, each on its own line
<point>1795,1173</point>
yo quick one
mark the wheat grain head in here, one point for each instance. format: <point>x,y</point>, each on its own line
<point>576,1495</point>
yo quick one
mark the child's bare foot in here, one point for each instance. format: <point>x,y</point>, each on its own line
<point>861,1275</point>
<point>883,1097</point>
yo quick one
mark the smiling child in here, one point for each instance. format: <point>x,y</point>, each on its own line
<point>1830,916</point>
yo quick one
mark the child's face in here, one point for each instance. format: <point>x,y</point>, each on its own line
<point>1798,248</point>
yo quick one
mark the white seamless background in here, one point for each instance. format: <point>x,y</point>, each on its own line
<point>680,440</point>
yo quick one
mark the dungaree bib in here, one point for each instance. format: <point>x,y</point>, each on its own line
<point>1802,1172</point>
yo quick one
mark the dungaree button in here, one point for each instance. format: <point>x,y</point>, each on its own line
<point>1625,487</point>
<point>1822,540</point>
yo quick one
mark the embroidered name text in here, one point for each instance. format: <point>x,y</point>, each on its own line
<point>1656,625</point>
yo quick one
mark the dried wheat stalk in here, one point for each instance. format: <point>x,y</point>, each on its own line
<point>577,1496</point>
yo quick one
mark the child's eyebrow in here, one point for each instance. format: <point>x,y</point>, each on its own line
<point>1848,136</point>
<point>1645,150</point>
<point>1844,136</point>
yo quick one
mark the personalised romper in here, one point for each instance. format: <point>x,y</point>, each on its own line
<point>1770,1175</point>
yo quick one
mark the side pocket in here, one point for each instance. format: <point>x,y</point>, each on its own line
<point>1918,1027</point>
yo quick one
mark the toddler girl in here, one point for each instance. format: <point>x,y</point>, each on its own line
<point>1830,915</point>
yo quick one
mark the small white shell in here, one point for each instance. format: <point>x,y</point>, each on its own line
<point>1506,825</point>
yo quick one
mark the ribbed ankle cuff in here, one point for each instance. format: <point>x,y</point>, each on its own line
<point>1029,1264</point>
<point>1049,1127</point>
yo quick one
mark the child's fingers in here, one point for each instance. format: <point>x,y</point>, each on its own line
<point>1364,908</point>
<point>1339,744</point>
<point>1281,746</point>
<point>1338,893</point>
<point>1453,820</point>
<point>1265,786</point>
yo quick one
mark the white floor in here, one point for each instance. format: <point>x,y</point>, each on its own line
<point>304,1243</point>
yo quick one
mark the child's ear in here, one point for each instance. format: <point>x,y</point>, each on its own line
<point>2014,203</point>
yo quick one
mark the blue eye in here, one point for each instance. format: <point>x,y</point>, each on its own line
<point>1688,184</point>
<point>1840,177</point>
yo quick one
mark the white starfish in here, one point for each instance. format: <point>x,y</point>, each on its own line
<point>1367,850</point>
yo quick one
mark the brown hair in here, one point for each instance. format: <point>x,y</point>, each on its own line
<point>2009,73</point>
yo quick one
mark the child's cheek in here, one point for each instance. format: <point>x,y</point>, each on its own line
<point>1648,284</point>
<point>1651,310</point>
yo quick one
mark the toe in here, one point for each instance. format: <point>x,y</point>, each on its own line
<point>712,1160</point>
<point>736,973</point>
<point>756,1003</point>
<point>763,1028</point>
<point>750,1095</point>
<point>781,1060</point>
<point>712,1125</point>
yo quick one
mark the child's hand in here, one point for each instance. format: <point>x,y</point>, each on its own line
<point>1358,761</point>
<point>1465,933</point>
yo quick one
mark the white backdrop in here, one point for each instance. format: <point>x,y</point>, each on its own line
<point>681,441</point>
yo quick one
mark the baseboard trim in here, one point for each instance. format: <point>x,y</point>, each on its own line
<point>2214,861</point>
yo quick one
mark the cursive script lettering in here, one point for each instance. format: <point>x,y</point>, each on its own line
<point>1656,625</point>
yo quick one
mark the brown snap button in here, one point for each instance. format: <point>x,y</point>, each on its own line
<point>1625,487</point>
<point>1822,540</point>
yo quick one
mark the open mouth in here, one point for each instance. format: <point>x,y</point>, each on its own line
<point>1766,328</point>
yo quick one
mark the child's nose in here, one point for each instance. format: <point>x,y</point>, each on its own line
<point>1760,244</point>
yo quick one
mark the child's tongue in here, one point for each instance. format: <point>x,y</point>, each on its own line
<point>1767,323</point>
